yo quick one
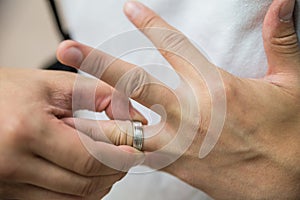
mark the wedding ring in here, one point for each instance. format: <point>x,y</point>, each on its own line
<point>138,135</point>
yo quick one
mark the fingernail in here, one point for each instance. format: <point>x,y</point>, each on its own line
<point>73,56</point>
<point>132,9</point>
<point>287,10</point>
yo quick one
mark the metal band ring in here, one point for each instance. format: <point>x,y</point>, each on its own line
<point>138,135</point>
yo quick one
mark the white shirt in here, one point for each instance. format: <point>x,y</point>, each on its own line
<point>229,32</point>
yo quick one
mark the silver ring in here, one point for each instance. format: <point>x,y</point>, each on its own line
<point>138,135</point>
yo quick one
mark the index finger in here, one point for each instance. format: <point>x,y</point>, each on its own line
<point>127,78</point>
<point>172,44</point>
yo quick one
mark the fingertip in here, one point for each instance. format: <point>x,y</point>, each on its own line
<point>132,9</point>
<point>63,46</point>
<point>69,53</point>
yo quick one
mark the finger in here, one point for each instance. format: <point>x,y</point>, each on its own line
<point>120,132</point>
<point>70,149</point>
<point>75,92</point>
<point>173,45</point>
<point>113,132</point>
<point>125,77</point>
<point>29,192</point>
<point>160,145</point>
<point>120,108</point>
<point>280,38</point>
<point>46,175</point>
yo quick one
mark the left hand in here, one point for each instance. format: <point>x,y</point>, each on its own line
<point>43,158</point>
<point>257,154</point>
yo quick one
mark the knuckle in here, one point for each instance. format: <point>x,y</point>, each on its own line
<point>135,85</point>
<point>61,99</point>
<point>15,136</point>
<point>287,44</point>
<point>88,188</point>
<point>149,21</point>
<point>172,42</point>
<point>90,166</point>
<point>20,130</point>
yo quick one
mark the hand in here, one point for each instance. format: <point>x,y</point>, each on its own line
<point>257,155</point>
<point>40,156</point>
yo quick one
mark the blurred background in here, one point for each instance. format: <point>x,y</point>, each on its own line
<point>28,35</point>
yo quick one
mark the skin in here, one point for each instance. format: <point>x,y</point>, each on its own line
<point>43,158</point>
<point>257,155</point>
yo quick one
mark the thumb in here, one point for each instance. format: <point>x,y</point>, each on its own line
<point>280,38</point>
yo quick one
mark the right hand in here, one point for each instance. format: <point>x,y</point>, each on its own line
<point>40,156</point>
<point>248,128</point>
